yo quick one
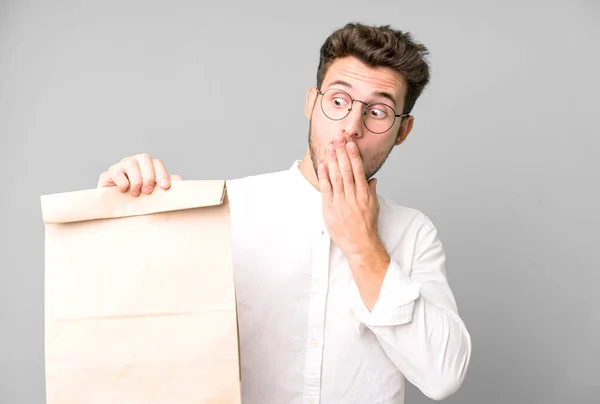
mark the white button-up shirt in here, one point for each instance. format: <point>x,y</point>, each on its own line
<point>306,335</point>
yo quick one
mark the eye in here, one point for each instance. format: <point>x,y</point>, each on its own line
<point>339,101</point>
<point>377,112</point>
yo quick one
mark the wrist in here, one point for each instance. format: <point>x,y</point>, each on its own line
<point>371,257</point>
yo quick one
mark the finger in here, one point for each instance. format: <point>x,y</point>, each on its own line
<point>147,172</point>
<point>113,177</point>
<point>373,188</point>
<point>324,183</point>
<point>104,180</point>
<point>162,176</point>
<point>175,177</point>
<point>120,180</point>
<point>132,170</point>
<point>345,168</point>
<point>358,169</point>
<point>335,176</point>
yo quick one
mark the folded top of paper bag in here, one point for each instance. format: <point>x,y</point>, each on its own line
<point>108,203</point>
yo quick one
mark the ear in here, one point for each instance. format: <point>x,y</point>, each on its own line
<point>311,98</point>
<point>404,130</point>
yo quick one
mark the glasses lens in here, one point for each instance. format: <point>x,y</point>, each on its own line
<point>379,118</point>
<point>336,104</point>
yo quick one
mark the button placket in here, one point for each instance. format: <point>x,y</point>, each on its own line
<point>316,317</point>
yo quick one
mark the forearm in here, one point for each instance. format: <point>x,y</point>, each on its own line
<point>369,268</point>
<point>402,295</point>
<point>432,350</point>
<point>417,325</point>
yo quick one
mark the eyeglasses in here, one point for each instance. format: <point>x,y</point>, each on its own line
<point>378,117</point>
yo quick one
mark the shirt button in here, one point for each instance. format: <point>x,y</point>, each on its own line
<point>311,400</point>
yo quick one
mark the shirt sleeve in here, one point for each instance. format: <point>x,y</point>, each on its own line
<point>416,319</point>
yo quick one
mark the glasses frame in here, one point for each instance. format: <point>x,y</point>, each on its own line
<point>364,112</point>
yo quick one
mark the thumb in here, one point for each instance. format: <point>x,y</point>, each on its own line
<point>373,185</point>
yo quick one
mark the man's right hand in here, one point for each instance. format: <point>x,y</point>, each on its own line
<point>137,174</point>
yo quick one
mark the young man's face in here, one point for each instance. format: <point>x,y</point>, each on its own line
<point>366,84</point>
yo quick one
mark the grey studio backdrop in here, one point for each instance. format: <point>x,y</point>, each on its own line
<point>503,156</point>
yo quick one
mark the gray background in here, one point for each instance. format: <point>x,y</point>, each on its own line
<point>504,155</point>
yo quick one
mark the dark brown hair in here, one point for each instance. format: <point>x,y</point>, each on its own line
<point>379,46</point>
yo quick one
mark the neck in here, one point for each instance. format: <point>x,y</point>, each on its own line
<point>307,169</point>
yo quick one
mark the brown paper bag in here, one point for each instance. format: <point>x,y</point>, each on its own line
<point>139,297</point>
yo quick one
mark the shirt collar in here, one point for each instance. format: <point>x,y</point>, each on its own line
<point>309,197</point>
<point>305,186</point>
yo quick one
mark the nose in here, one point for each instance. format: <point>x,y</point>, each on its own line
<point>353,123</point>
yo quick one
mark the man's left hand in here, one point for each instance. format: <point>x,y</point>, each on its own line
<point>350,205</point>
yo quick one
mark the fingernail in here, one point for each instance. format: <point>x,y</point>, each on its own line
<point>147,189</point>
<point>163,182</point>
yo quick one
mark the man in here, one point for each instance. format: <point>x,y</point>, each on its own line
<point>341,293</point>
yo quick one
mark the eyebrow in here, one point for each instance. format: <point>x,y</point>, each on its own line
<point>376,93</point>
